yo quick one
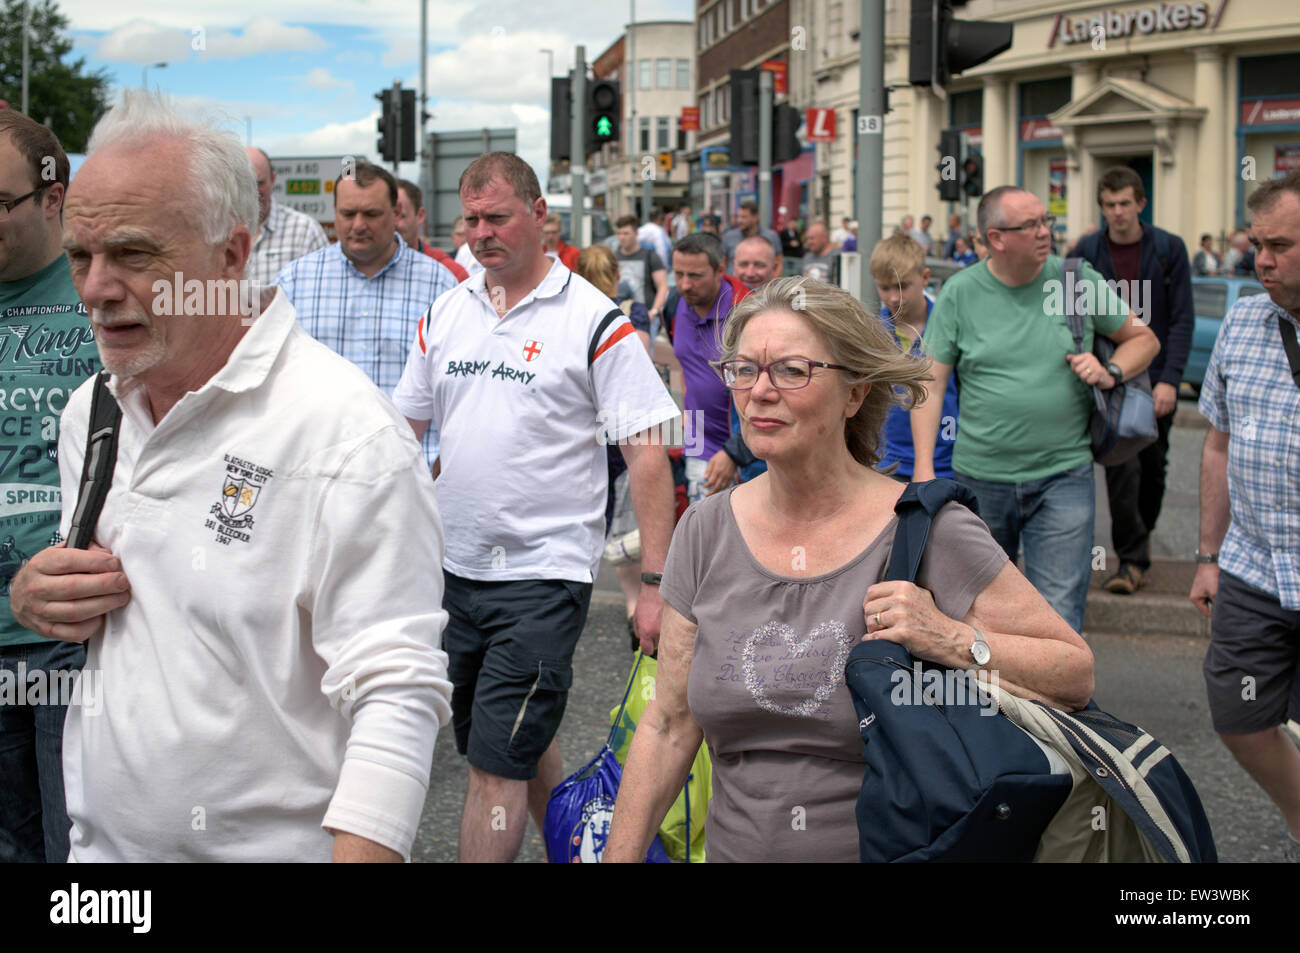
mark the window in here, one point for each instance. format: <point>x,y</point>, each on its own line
<point>722,23</point>
<point>704,31</point>
<point>662,134</point>
<point>683,74</point>
<point>663,74</point>
<point>966,109</point>
<point>744,10</point>
<point>1044,96</point>
<point>645,135</point>
<point>681,139</point>
<point>1269,76</point>
<point>645,74</point>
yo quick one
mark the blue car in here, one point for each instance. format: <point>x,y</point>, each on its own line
<point>1212,297</point>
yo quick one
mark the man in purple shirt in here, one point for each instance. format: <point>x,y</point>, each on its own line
<point>706,297</point>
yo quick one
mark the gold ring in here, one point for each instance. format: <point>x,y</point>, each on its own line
<point>878,623</point>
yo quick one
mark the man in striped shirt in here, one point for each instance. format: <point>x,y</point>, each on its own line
<point>1248,562</point>
<point>363,297</point>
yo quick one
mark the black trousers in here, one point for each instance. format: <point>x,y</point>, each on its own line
<point>1136,489</point>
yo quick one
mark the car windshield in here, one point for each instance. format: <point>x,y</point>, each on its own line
<point>1209,299</point>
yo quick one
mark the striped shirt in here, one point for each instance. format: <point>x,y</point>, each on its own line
<point>1249,394</point>
<point>370,321</point>
<point>285,236</point>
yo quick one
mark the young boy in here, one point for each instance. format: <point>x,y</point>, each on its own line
<point>898,267</point>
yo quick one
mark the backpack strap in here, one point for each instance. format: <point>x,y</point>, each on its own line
<point>97,467</point>
<point>1071,276</point>
<point>670,312</point>
<point>916,510</point>
<point>1162,253</point>
<point>1291,346</point>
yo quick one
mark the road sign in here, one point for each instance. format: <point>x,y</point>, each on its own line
<point>820,125</point>
<point>306,184</point>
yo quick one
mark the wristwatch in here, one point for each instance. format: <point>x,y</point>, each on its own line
<point>979,650</point>
<point>1207,557</point>
<point>652,578</point>
<point>1114,371</point>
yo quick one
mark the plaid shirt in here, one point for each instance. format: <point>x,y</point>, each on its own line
<point>286,235</point>
<point>370,321</point>
<point>1249,394</point>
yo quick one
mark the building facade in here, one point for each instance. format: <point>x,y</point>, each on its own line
<point>654,64</point>
<point>1200,97</point>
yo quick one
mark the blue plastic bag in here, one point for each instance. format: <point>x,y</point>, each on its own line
<point>581,808</point>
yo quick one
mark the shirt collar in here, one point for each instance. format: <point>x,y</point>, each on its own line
<point>721,304</point>
<point>250,362</point>
<point>402,252</point>
<point>556,282</point>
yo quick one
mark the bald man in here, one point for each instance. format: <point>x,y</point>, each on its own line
<point>283,235</point>
<point>756,262</point>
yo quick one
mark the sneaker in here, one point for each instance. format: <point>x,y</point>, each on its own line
<point>1127,581</point>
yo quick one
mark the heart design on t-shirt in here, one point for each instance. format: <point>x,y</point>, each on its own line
<point>812,668</point>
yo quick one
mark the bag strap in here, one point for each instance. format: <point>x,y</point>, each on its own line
<point>618,719</point>
<point>916,510</point>
<point>1074,267</point>
<point>1291,346</point>
<point>97,467</point>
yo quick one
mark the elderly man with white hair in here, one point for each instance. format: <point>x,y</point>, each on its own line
<point>262,596</point>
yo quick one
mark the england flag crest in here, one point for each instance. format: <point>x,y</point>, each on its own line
<point>532,349</point>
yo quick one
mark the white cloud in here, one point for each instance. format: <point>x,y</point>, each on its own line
<point>321,79</point>
<point>142,41</point>
<point>214,15</point>
<point>498,68</point>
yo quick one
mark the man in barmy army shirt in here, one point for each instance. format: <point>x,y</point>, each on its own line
<point>46,350</point>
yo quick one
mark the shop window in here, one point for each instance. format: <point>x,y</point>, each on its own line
<point>966,109</point>
<point>1044,96</point>
<point>1263,76</point>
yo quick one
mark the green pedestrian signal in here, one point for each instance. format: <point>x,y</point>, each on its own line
<point>604,127</point>
<point>603,105</point>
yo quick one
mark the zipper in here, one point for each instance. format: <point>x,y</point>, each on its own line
<point>1105,761</point>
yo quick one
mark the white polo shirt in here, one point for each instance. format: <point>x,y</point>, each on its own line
<point>277,670</point>
<point>525,405</point>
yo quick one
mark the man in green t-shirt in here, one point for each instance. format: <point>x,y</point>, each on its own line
<point>46,349</point>
<point>1023,446</point>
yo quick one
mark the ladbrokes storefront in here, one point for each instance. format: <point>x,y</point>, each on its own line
<point>1201,98</point>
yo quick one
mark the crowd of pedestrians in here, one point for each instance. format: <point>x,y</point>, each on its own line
<point>369,497</point>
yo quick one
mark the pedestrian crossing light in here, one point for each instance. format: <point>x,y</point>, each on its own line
<point>603,104</point>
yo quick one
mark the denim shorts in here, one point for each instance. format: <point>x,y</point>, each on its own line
<point>510,650</point>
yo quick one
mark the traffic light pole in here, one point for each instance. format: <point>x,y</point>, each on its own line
<point>397,126</point>
<point>871,142</point>
<point>764,148</point>
<point>578,149</point>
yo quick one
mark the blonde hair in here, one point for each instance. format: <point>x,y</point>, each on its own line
<point>855,339</point>
<point>599,266</point>
<point>896,257</point>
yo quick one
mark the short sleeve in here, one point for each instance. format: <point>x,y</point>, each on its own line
<point>961,558</point>
<point>1213,402</point>
<point>940,335</point>
<point>654,262</point>
<point>1110,311</point>
<point>630,396</point>
<point>414,392</point>
<point>681,578</point>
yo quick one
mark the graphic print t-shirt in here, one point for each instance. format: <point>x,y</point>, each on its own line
<point>637,269</point>
<point>767,677</point>
<point>46,350</point>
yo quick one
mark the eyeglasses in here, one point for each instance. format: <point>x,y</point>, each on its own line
<point>788,373</point>
<point>1047,221</point>
<point>8,205</point>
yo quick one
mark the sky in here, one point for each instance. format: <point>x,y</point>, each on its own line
<point>304,73</point>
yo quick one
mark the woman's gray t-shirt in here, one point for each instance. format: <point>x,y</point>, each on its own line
<point>767,678</point>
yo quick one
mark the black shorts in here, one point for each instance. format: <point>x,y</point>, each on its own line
<point>1250,668</point>
<point>510,650</point>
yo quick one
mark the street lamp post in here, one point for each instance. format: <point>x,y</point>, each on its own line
<point>550,64</point>
<point>144,73</point>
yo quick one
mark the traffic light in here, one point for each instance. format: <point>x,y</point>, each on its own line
<point>603,106</point>
<point>744,117</point>
<point>387,140</point>
<point>949,165</point>
<point>561,103</point>
<point>406,124</point>
<point>972,175</point>
<point>786,120</point>
<point>941,46</point>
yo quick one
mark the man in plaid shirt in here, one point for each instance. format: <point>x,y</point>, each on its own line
<point>364,297</point>
<point>283,234</point>
<point>1248,572</point>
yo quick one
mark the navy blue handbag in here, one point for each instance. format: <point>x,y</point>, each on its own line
<point>958,773</point>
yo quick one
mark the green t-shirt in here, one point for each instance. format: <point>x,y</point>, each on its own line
<point>46,350</point>
<point>1024,413</point>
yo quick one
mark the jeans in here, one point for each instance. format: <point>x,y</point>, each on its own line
<point>34,825</point>
<point>1136,488</point>
<point>1053,518</point>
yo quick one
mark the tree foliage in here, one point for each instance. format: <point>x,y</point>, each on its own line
<point>61,94</point>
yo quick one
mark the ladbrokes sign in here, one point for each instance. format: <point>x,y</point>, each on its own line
<point>1141,21</point>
